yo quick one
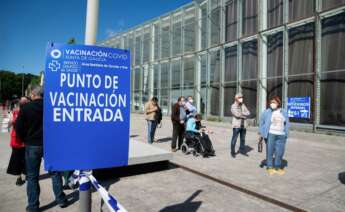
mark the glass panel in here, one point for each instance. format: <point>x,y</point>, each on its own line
<point>274,13</point>
<point>131,48</point>
<point>137,100</point>
<point>175,94</point>
<point>301,86</point>
<point>214,100</point>
<point>164,75</point>
<point>165,40</point>
<point>176,74</point>
<point>333,43</point>
<point>249,91</point>
<point>333,84</point>
<point>230,64</point>
<point>188,72</point>
<point>203,71</point>
<point>137,50</point>
<point>274,88</point>
<point>177,35</point>
<point>229,94</point>
<point>250,17</point>
<point>301,47</point>
<point>333,99</point>
<point>157,42</point>
<point>215,26</point>
<point>249,60</point>
<point>204,36</point>
<point>189,31</point>
<point>146,79</point>
<point>328,4</point>
<point>203,100</point>
<point>164,101</point>
<point>137,79</point>
<point>215,67</point>
<point>275,55</point>
<point>156,79</point>
<point>299,9</point>
<point>231,20</point>
<point>147,46</point>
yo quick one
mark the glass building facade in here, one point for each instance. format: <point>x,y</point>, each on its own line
<point>211,49</point>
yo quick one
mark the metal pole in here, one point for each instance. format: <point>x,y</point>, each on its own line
<point>91,22</point>
<point>90,39</point>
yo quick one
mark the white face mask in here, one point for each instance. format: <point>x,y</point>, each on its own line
<point>274,106</point>
<point>191,101</point>
<point>240,100</point>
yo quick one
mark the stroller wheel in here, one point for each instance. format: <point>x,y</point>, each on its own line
<point>184,149</point>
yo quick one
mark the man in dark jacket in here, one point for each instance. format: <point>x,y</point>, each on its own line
<point>29,127</point>
<point>178,118</point>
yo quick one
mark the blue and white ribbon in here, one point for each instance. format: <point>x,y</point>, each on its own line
<point>84,179</point>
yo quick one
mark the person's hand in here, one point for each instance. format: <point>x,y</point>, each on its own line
<point>181,122</point>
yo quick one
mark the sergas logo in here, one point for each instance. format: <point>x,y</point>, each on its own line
<point>55,54</point>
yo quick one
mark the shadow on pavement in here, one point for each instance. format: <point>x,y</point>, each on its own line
<point>133,136</point>
<point>71,199</point>
<point>247,149</point>
<point>187,205</point>
<point>341,177</point>
<point>162,140</point>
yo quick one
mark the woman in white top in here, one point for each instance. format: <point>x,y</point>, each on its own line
<point>274,128</point>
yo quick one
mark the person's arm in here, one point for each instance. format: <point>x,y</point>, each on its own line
<point>245,111</point>
<point>262,123</point>
<point>235,112</point>
<point>19,127</point>
<point>149,109</point>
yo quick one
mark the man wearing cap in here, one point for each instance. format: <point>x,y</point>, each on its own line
<point>240,114</point>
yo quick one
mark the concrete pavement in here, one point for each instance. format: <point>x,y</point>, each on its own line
<point>314,162</point>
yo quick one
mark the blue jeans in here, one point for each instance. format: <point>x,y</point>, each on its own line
<point>235,132</point>
<point>276,147</point>
<point>33,157</point>
<point>151,130</point>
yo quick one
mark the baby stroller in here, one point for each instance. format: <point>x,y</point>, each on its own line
<point>197,145</point>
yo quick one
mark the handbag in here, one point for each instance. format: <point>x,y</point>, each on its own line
<point>260,145</point>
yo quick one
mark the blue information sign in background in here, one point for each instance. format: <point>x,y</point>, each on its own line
<point>299,107</point>
<point>86,107</point>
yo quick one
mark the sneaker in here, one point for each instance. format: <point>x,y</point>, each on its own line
<point>233,155</point>
<point>280,171</point>
<point>173,150</point>
<point>271,171</point>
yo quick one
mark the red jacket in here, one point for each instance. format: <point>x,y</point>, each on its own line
<point>16,142</point>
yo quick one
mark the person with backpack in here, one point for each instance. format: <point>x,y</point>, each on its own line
<point>152,116</point>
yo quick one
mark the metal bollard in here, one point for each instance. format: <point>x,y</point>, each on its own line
<point>85,193</point>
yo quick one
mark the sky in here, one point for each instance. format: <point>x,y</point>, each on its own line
<point>26,26</point>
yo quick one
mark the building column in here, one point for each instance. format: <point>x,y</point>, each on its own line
<point>262,60</point>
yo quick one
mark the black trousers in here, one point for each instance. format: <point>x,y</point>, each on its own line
<point>178,132</point>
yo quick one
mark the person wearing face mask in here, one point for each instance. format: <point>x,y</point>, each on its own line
<point>274,127</point>
<point>239,123</point>
<point>190,108</point>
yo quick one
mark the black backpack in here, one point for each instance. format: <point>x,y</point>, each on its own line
<point>159,115</point>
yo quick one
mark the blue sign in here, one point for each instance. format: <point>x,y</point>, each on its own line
<point>299,107</point>
<point>86,107</point>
